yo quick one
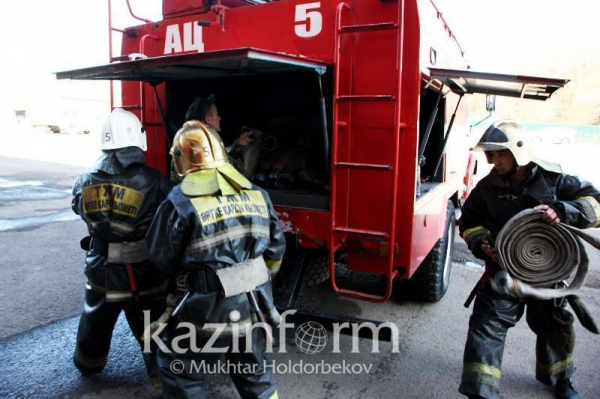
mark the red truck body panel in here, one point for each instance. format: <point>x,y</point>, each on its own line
<point>384,69</point>
<point>368,66</point>
<point>375,57</point>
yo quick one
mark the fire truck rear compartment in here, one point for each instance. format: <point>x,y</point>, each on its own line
<point>285,107</point>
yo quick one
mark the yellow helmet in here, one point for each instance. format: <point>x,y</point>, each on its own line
<point>195,147</point>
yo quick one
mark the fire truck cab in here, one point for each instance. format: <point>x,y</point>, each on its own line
<point>365,148</point>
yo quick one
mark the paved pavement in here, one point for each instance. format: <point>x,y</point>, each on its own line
<point>41,263</point>
<point>41,292</point>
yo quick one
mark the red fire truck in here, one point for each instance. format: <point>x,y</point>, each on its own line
<point>368,91</point>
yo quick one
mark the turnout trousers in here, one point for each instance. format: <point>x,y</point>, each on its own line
<point>98,321</point>
<point>185,375</point>
<point>493,315</point>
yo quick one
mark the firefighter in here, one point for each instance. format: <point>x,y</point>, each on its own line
<point>516,183</point>
<point>117,198</point>
<point>219,235</point>
<point>205,111</point>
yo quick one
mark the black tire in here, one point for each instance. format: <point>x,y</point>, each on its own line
<point>431,280</point>
<point>317,268</point>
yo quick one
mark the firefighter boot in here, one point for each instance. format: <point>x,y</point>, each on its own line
<point>564,389</point>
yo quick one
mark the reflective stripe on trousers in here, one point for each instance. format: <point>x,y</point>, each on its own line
<point>482,373</point>
<point>493,315</point>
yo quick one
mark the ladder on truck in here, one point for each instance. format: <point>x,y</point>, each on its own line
<point>142,105</point>
<point>345,164</point>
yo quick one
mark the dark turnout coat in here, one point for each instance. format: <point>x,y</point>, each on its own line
<point>196,235</point>
<point>117,198</point>
<point>492,203</point>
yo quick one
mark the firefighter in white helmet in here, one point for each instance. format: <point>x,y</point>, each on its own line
<point>118,198</point>
<point>220,234</point>
<point>518,181</point>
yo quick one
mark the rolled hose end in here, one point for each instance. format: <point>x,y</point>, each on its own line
<point>502,282</point>
<point>269,143</point>
<point>285,181</point>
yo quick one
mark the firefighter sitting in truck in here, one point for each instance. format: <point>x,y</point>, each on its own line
<point>117,198</point>
<point>222,234</point>
<point>516,183</point>
<point>205,111</point>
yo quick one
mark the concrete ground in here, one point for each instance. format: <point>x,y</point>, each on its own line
<point>42,286</point>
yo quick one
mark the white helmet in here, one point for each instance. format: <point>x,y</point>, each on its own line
<point>122,129</point>
<point>507,135</point>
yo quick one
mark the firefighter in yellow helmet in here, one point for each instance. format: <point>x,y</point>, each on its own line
<point>219,235</point>
<point>118,198</point>
<point>518,181</point>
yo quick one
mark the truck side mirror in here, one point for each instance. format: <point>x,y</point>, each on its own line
<point>490,102</point>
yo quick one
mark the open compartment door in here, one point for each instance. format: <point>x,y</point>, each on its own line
<point>211,64</point>
<point>470,82</point>
<point>279,94</point>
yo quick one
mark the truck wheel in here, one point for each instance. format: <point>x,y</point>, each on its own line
<point>430,281</point>
<point>317,268</point>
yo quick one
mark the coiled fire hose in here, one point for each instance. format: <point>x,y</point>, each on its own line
<point>535,255</point>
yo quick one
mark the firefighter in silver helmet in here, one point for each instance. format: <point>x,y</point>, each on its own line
<point>220,235</point>
<point>117,198</point>
<point>518,181</point>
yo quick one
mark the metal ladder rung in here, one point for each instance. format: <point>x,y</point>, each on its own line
<point>369,27</point>
<point>362,232</point>
<point>353,165</point>
<point>367,98</point>
<point>335,244</point>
